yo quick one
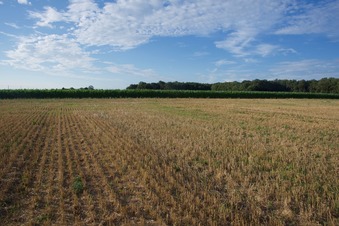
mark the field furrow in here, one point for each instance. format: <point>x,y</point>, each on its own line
<point>37,189</point>
<point>71,198</point>
<point>62,170</point>
<point>76,181</point>
<point>95,192</point>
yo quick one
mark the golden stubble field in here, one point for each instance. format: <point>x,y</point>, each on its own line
<point>169,162</point>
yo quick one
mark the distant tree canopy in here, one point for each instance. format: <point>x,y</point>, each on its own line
<point>324,85</point>
<point>171,86</point>
<point>81,88</point>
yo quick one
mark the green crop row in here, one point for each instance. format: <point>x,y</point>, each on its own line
<point>57,93</point>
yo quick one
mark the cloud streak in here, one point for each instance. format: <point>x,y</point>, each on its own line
<point>13,25</point>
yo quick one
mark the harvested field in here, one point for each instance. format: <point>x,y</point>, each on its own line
<point>169,162</point>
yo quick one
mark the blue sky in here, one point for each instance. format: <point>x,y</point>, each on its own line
<point>111,44</point>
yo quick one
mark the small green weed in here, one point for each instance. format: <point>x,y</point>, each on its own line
<point>42,218</point>
<point>78,185</point>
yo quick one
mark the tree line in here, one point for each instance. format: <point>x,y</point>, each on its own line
<point>324,85</point>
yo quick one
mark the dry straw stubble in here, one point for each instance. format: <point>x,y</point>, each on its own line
<point>169,161</point>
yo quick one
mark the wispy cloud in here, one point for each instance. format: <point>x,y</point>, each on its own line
<point>311,68</point>
<point>287,51</point>
<point>233,73</point>
<point>237,42</point>
<point>222,62</point>
<point>265,49</point>
<point>200,53</point>
<point>249,60</point>
<point>130,70</point>
<point>13,25</point>
<point>9,35</point>
<point>241,46</point>
<point>299,69</point>
<point>24,2</point>
<point>320,17</point>
<point>218,71</point>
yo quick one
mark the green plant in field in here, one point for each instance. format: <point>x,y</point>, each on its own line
<point>176,168</point>
<point>78,185</point>
<point>42,218</point>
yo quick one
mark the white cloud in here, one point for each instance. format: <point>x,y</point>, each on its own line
<point>49,16</point>
<point>51,53</point>
<point>320,18</point>
<point>222,62</point>
<point>62,55</point>
<point>24,2</point>
<point>1,3</point>
<point>287,51</point>
<point>82,12</point>
<point>265,49</point>
<point>250,60</point>
<point>125,24</point>
<point>237,42</point>
<point>241,46</point>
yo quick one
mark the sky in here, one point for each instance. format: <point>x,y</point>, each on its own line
<point>112,44</point>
